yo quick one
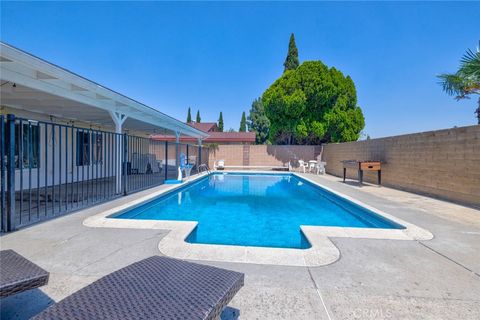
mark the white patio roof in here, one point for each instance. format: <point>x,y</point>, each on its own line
<point>45,88</point>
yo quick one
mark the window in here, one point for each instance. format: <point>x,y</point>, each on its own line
<point>83,148</point>
<point>29,139</point>
<point>89,142</point>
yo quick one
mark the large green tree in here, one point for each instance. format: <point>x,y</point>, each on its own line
<point>220,122</point>
<point>198,119</point>
<point>243,123</point>
<point>291,61</point>
<point>311,105</point>
<point>466,81</point>
<point>258,122</point>
<point>189,116</point>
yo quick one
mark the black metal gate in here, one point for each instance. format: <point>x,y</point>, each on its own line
<point>49,169</point>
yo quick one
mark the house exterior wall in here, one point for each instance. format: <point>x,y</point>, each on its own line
<point>54,150</point>
<point>64,150</point>
<point>58,162</point>
<point>443,163</point>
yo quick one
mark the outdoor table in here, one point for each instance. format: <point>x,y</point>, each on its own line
<point>311,165</point>
<point>18,274</point>
<point>361,166</point>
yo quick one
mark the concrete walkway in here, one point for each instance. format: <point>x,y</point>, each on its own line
<point>374,279</point>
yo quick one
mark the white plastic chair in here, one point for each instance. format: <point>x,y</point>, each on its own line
<point>302,165</point>
<point>192,160</point>
<point>320,165</point>
<point>219,165</point>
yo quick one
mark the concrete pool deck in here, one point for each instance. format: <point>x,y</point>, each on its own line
<point>373,279</point>
<point>322,251</point>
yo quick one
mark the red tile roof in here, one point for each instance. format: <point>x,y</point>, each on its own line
<point>203,126</point>
<point>230,137</point>
<point>214,137</point>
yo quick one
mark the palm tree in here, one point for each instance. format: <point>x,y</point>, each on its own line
<point>466,81</point>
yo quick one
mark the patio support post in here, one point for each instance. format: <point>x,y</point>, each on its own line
<point>125,167</point>
<point>118,119</point>
<point>199,152</point>
<point>10,144</point>
<point>166,160</point>
<point>177,150</point>
<point>3,190</point>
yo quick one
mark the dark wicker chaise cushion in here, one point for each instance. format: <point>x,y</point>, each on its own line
<point>154,288</point>
<point>18,274</point>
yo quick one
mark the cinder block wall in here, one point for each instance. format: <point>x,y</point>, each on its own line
<point>262,155</point>
<point>443,163</point>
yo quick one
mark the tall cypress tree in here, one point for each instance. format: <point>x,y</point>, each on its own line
<point>220,122</point>
<point>189,116</point>
<point>198,116</point>
<point>243,123</point>
<point>291,62</point>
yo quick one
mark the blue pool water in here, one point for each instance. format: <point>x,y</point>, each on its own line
<point>256,210</point>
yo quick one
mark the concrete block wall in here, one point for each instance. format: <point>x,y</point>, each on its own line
<point>443,163</point>
<point>262,155</point>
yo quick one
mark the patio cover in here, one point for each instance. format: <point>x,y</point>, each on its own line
<point>48,89</point>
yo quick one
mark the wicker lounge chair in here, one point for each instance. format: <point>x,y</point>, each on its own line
<point>154,288</point>
<point>18,274</point>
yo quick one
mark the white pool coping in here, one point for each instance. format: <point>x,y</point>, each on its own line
<point>322,251</point>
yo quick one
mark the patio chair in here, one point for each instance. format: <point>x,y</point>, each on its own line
<point>154,288</point>
<point>219,165</point>
<point>302,165</point>
<point>185,166</point>
<point>320,165</point>
<point>17,274</point>
<point>154,163</point>
<point>192,160</point>
<point>139,163</point>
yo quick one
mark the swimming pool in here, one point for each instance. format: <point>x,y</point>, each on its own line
<point>261,210</point>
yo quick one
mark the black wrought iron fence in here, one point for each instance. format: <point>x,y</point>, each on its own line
<point>3,174</point>
<point>49,169</point>
<point>145,163</point>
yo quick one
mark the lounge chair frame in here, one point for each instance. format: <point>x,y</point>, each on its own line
<point>18,274</point>
<point>154,288</point>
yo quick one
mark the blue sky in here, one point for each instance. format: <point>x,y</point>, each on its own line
<point>220,56</point>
